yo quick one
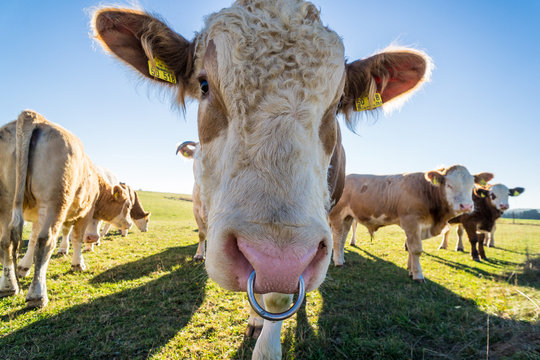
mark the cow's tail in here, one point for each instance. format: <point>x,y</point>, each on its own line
<point>26,123</point>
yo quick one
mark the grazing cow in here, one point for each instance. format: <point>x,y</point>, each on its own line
<point>138,215</point>
<point>270,79</point>
<point>420,203</point>
<point>188,149</point>
<point>48,179</point>
<point>490,202</point>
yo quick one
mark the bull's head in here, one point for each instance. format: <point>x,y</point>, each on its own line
<point>270,79</point>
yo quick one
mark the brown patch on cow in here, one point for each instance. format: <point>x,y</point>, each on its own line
<point>110,200</point>
<point>212,117</point>
<point>327,131</point>
<point>137,211</point>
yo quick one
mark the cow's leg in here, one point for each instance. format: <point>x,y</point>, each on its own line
<point>64,245</point>
<point>268,344</point>
<point>459,242</point>
<point>490,238</point>
<point>77,261</point>
<point>24,266</point>
<point>444,238</point>
<point>8,252</point>
<point>414,245</point>
<point>201,250</point>
<point>473,239</point>
<point>50,221</point>
<point>255,322</point>
<point>105,229</point>
<point>481,252</point>
<point>340,230</point>
<point>353,236</point>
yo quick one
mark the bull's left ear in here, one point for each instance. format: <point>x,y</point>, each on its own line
<point>483,178</point>
<point>147,215</point>
<point>394,74</point>
<point>148,45</point>
<point>434,177</point>
<point>516,191</point>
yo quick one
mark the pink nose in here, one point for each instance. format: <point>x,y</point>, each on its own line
<point>91,238</point>
<point>278,269</point>
<point>504,207</point>
<point>465,207</point>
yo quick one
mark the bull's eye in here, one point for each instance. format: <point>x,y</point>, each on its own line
<point>204,87</point>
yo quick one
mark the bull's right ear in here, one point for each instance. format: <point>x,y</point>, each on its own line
<point>148,45</point>
<point>187,149</point>
<point>434,177</point>
<point>483,178</point>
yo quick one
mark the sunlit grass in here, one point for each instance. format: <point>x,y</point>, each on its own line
<point>144,297</point>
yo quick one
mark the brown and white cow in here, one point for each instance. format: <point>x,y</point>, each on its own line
<point>270,79</point>
<point>420,203</point>
<point>47,178</point>
<point>490,202</point>
<point>188,149</point>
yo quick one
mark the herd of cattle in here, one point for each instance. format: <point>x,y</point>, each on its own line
<point>270,194</point>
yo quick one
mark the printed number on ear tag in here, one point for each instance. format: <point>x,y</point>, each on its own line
<point>363,103</point>
<point>161,71</point>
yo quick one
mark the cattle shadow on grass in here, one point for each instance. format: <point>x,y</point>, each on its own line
<point>494,263</point>
<point>133,323</point>
<point>372,310</point>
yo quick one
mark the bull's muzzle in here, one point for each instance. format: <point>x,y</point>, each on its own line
<point>273,316</point>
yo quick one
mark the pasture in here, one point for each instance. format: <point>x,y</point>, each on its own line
<point>143,297</point>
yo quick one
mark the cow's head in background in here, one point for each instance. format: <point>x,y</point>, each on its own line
<point>497,195</point>
<point>270,79</point>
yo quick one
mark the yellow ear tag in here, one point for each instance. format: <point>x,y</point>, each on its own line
<point>186,154</point>
<point>116,195</point>
<point>435,181</point>
<point>483,182</point>
<point>363,103</point>
<point>516,193</point>
<point>482,195</point>
<point>161,71</point>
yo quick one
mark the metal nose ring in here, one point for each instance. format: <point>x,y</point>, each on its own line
<point>275,316</point>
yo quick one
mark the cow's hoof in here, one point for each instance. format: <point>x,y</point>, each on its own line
<point>88,249</point>
<point>198,258</point>
<point>441,248</point>
<point>253,331</point>
<point>22,271</point>
<point>420,281</point>
<point>484,258</point>
<point>62,252</point>
<point>491,246</point>
<point>78,268</point>
<point>10,292</point>
<point>476,259</point>
<point>37,303</point>
<point>460,249</point>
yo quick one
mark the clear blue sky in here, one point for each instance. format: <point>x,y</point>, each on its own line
<point>481,108</point>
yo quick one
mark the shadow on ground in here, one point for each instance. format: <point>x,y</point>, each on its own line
<point>131,324</point>
<point>371,310</point>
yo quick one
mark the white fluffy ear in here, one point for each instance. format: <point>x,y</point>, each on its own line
<point>148,45</point>
<point>395,74</point>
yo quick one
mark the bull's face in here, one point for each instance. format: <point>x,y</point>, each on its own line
<point>270,79</point>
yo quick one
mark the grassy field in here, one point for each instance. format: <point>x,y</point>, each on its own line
<point>143,297</point>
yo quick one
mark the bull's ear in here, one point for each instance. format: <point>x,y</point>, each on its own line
<point>386,79</point>
<point>483,178</point>
<point>117,190</point>
<point>187,149</point>
<point>434,177</point>
<point>146,44</point>
<point>480,192</point>
<point>147,215</point>
<point>516,191</point>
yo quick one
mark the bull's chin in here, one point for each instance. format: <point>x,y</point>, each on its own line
<point>239,269</point>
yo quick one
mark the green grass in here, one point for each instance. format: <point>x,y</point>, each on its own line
<point>143,297</point>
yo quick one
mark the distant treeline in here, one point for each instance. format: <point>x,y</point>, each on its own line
<point>522,214</point>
